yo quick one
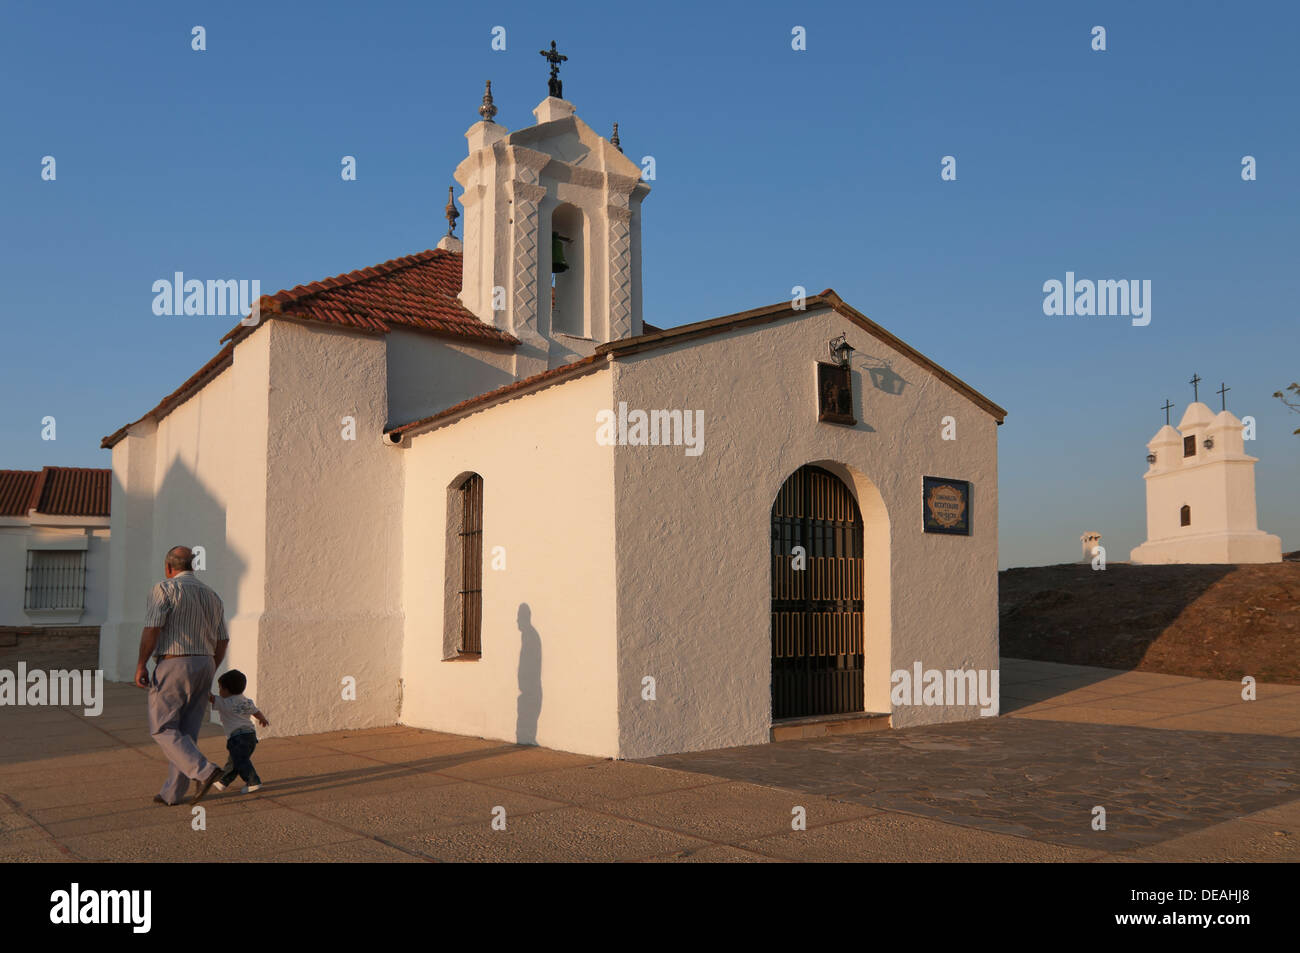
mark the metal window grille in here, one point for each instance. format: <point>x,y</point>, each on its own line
<point>1189,446</point>
<point>1185,516</point>
<point>56,579</point>
<point>471,565</point>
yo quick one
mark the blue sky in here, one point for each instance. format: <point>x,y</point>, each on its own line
<point>774,168</point>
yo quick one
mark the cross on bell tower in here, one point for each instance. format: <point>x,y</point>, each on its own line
<point>1196,380</point>
<point>1166,408</point>
<point>555,58</point>
<point>1223,395</point>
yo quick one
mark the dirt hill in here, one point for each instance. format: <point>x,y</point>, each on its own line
<point>1206,621</point>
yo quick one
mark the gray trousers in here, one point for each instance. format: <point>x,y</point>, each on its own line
<point>178,700</point>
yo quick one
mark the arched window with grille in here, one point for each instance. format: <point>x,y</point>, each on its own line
<point>463,592</point>
<point>1185,516</point>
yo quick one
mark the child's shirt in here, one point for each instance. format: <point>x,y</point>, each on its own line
<point>236,712</point>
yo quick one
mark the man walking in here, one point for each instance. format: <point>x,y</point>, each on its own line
<point>185,630</point>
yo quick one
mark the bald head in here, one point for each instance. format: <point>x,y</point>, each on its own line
<point>179,559</point>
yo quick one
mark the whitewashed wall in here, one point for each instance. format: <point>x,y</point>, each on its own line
<point>427,374</point>
<point>333,607</point>
<point>197,478</point>
<point>547,673</point>
<point>694,532</point>
<point>19,534</point>
<point>13,571</point>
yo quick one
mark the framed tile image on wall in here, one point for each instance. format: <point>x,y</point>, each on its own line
<point>946,506</point>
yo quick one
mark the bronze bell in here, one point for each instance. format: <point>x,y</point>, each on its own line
<point>558,264</point>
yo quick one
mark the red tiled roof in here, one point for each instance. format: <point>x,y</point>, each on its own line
<point>16,491</point>
<point>418,291</point>
<point>56,491</point>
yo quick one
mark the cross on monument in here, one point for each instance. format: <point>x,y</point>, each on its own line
<point>555,58</point>
<point>1223,398</point>
<point>1166,408</point>
<point>1196,379</point>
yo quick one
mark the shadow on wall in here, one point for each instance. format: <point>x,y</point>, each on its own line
<point>882,375</point>
<point>184,513</point>
<point>530,678</point>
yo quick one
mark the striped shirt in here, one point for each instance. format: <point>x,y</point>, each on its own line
<point>190,614</point>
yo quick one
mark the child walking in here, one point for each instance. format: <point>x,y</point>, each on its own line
<point>237,714</point>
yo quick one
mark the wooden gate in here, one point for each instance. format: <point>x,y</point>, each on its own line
<point>817,657</point>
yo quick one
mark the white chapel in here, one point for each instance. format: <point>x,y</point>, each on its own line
<point>478,486</point>
<point>1201,494</point>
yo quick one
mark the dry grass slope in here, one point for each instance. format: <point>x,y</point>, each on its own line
<point>1215,621</point>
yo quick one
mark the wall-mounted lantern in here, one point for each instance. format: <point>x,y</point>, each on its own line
<point>841,351</point>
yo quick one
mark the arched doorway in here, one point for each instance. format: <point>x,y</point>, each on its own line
<point>817,598</point>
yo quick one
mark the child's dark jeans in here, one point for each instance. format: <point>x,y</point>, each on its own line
<point>240,747</point>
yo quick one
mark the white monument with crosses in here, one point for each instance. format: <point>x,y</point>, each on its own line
<point>1201,492</point>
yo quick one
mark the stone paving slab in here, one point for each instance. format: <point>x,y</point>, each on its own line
<point>1016,789</point>
<point>1097,695</point>
<point>1035,779</point>
<point>713,854</point>
<point>733,813</point>
<point>570,834</point>
<point>889,838</point>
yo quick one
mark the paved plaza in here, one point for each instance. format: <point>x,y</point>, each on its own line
<point>1185,770</point>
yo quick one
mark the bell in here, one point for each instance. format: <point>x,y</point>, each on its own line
<point>558,264</point>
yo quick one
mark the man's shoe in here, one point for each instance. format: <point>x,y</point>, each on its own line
<point>253,787</point>
<point>218,786</point>
<point>208,782</point>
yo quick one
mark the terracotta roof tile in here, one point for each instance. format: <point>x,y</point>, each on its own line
<point>56,491</point>
<point>419,291</point>
<point>16,491</point>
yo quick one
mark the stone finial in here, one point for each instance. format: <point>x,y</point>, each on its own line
<point>488,109</point>
<point>614,141</point>
<point>452,214</point>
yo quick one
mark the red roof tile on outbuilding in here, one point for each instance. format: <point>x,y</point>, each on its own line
<point>16,491</point>
<point>56,491</point>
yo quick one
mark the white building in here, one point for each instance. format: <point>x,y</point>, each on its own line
<point>1201,495</point>
<point>54,525</point>
<point>552,522</point>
